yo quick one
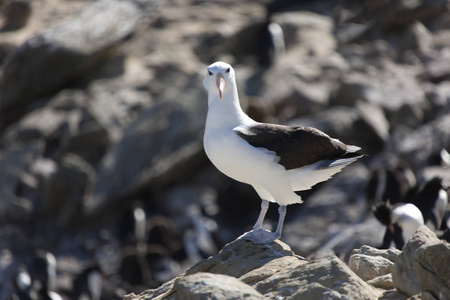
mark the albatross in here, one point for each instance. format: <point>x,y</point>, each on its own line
<point>276,160</point>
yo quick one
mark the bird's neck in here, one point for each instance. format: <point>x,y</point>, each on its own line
<point>226,112</point>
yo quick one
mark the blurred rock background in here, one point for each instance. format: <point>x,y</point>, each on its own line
<point>102,111</point>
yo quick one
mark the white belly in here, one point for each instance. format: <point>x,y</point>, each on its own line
<point>237,159</point>
<point>258,167</point>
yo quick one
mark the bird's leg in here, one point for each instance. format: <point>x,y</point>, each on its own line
<point>262,214</point>
<point>282,212</point>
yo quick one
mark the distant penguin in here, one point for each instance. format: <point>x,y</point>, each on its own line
<point>43,273</point>
<point>392,182</point>
<point>22,285</point>
<point>88,285</point>
<point>401,220</point>
<point>432,200</point>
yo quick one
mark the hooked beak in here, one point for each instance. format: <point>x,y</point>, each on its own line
<point>220,82</point>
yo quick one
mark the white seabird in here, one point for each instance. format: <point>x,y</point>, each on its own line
<point>276,160</point>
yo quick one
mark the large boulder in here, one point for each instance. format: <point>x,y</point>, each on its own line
<point>422,266</point>
<point>64,52</point>
<point>373,265</point>
<point>418,146</point>
<point>273,270</point>
<point>215,287</point>
<point>162,145</point>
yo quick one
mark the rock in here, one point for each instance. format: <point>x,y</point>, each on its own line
<point>354,87</point>
<point>419,145</point>
<point>67,187</point>
<point>438,97</point>
<point>45,123</point>
<point>431,271</point>
<point>389,254</point>
<point>15,163</point>
<point>65,51</point>
<point>307,34</point>
<point>17,14</point>
<point>417,38</point>
<point>274,271</point>
<point>374,265</point>
<point>5,50</point>
<point>420,266</point>
<point>383,282</point>
<point>436,70</point>
<point>289,89</point>
<point>368,267</point>
<point>404,13</point>
<point>394,89</point>
<point>213,286</point>
<point>307,282</point>
<point>166,142</point>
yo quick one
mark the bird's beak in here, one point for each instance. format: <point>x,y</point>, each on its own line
<point>220,82</point>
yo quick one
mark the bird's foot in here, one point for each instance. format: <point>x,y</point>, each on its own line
<point>260,236</point>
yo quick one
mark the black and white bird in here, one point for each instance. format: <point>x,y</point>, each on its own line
<point>424,205</point>
<point>276,160</point>
<point>402,221</point>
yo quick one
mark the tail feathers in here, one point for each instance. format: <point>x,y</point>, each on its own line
<point>335,163</point>
<point>304,178</point>
<point>352,149</point>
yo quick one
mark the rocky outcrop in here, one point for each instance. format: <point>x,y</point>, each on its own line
<point>422,267</point>
<point>243,270</point>
<point>272,271</point>
<point>65,51</point>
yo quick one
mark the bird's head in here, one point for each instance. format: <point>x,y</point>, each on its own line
<point>383,213</point>
<point>219,79</point>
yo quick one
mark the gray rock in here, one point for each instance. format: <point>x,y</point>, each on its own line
<point>44,123</point>
<point>383,282</point>
<point>438,97</point>
<point>368,267</point>
<point>64,51</point>
<point>17,14</point>
<point>436,69</point>
<point>354,87</point>
<point>290,90</point>
<point>420,266</point>
<point>307,282</point>
<point>15,163</point>
<point>67,187</point>
<point>419,145</point>
<point>165,143</point>
<point>213,286</point>
<point>418,38</point>
<point>404,13</point>
<point>432,269</point>
<point>6,49</point>
<point>389,254</point>
<point>275,272</point>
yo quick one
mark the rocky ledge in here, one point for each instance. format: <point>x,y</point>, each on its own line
<point>243,270</point>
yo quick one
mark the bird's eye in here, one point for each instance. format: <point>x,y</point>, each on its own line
<point>210,73</point>
<point>227,70</point>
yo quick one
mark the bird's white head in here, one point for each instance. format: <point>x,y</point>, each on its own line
<point>219,79</point>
